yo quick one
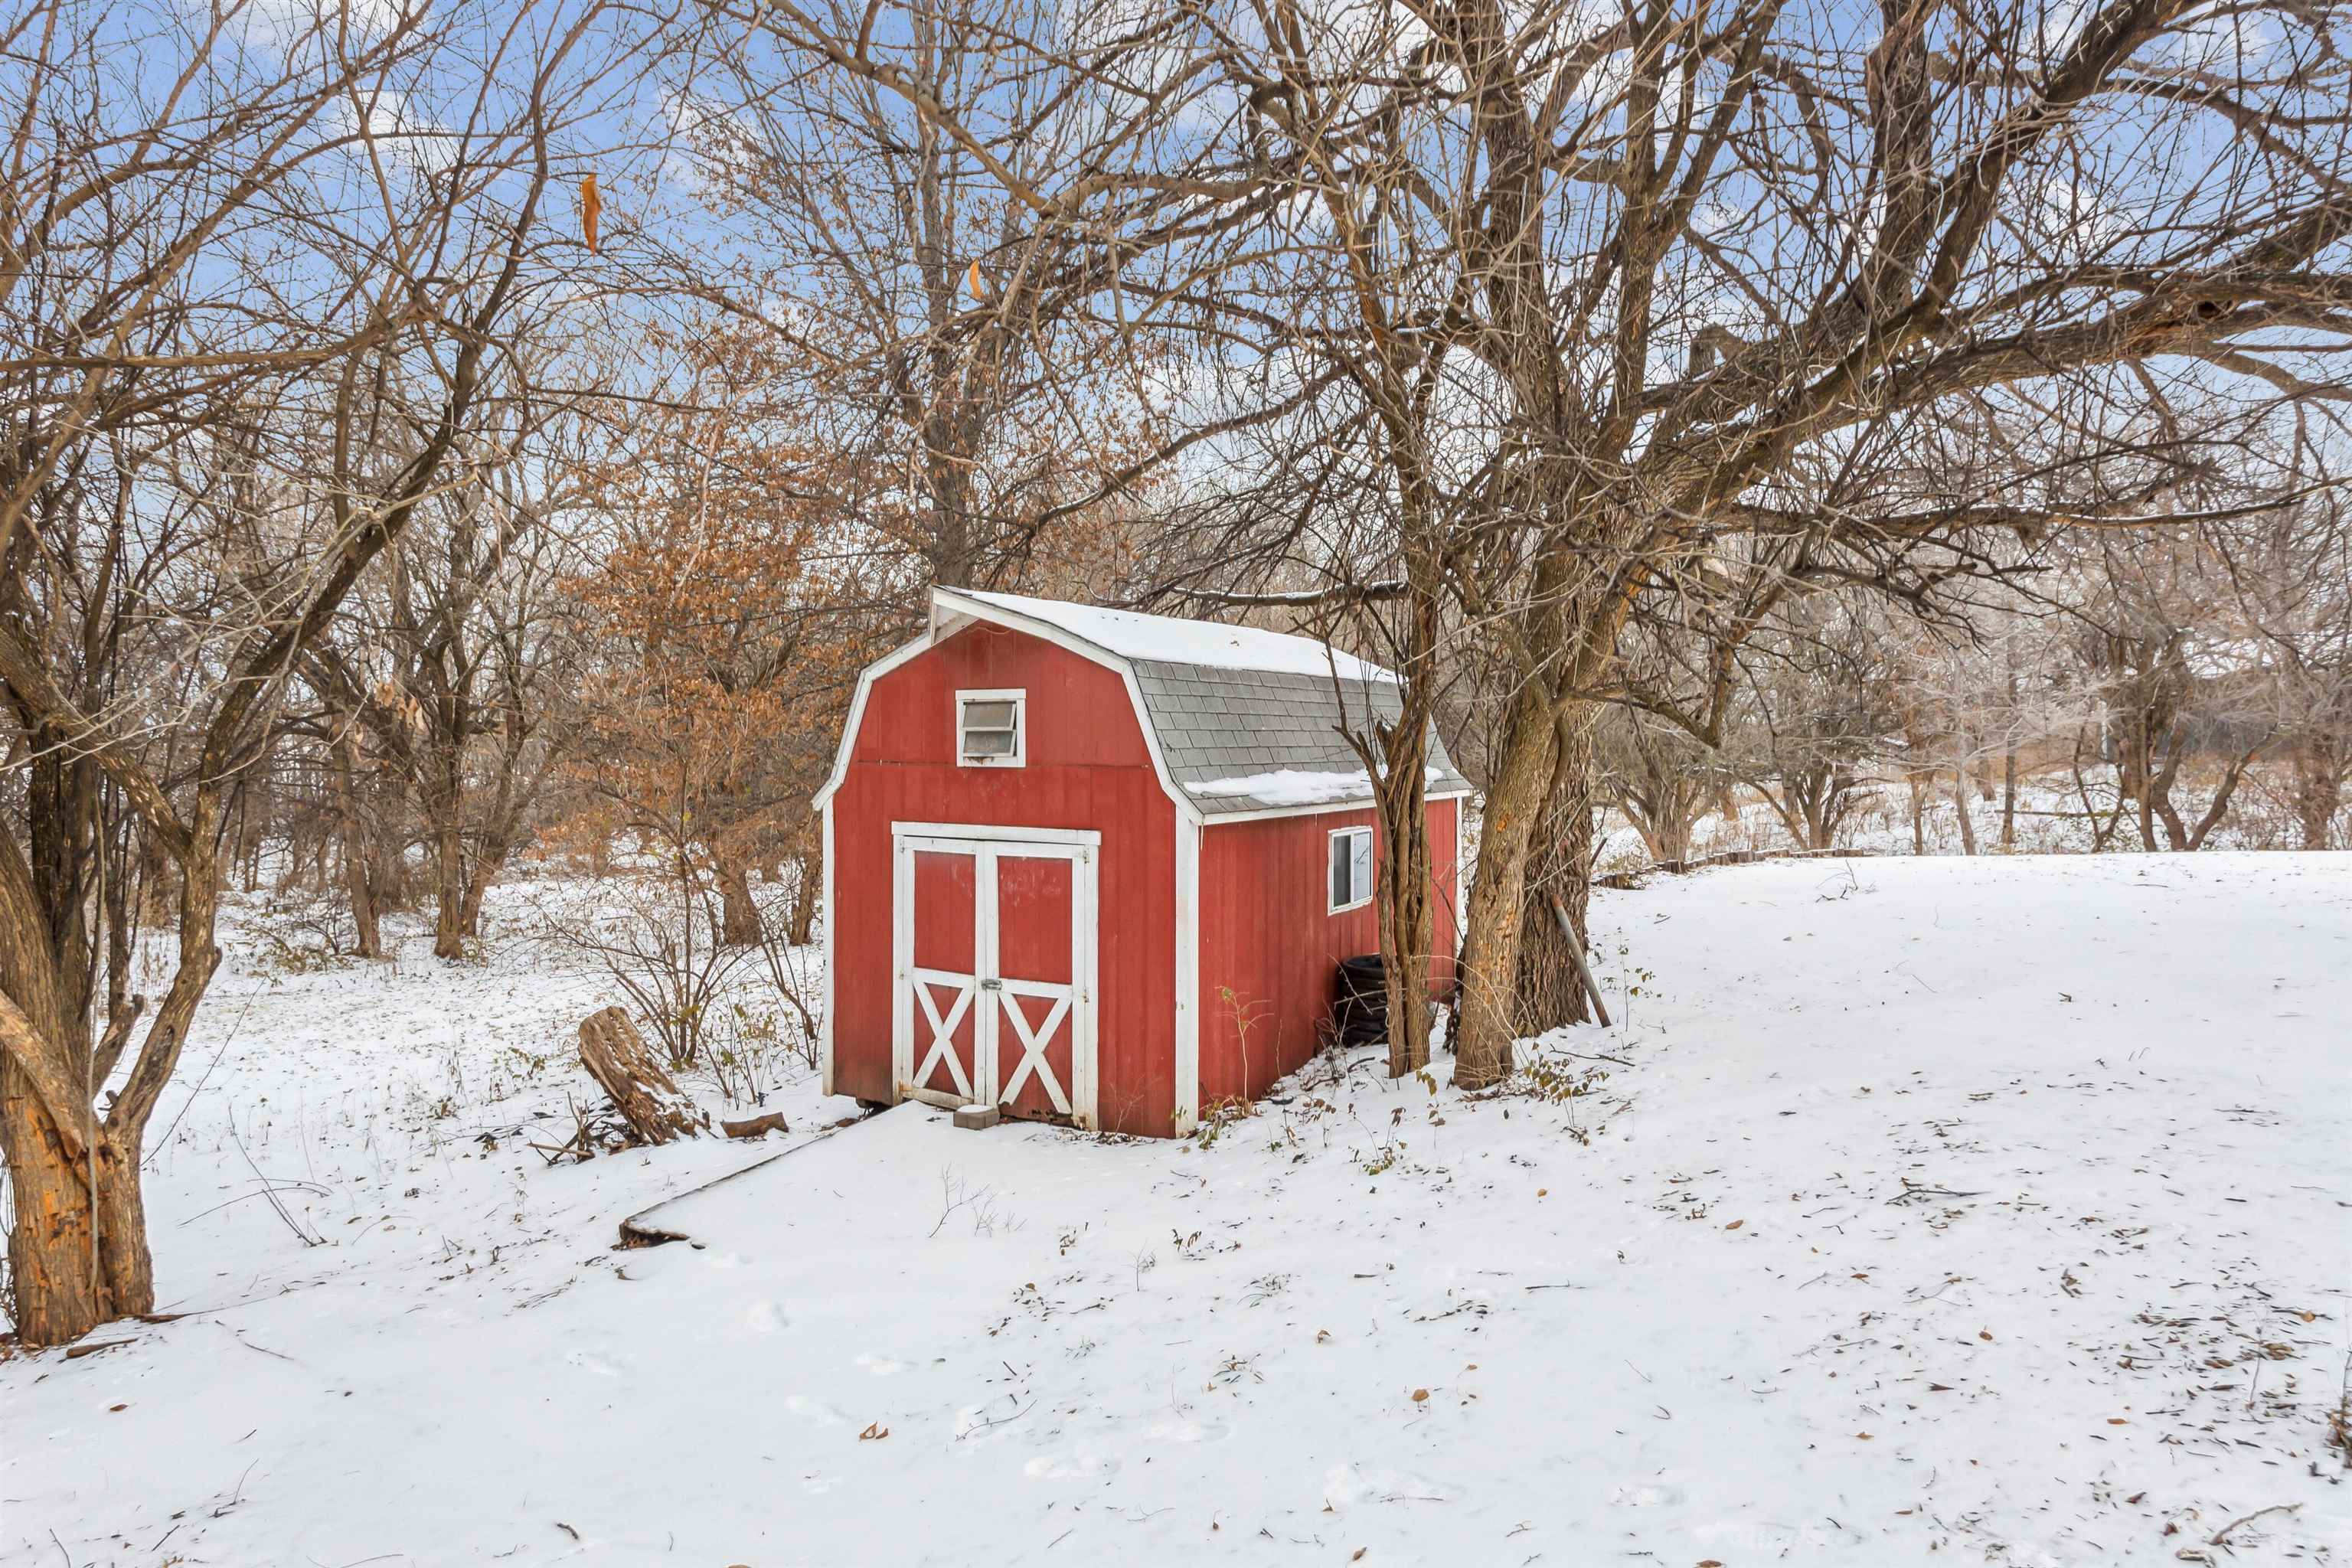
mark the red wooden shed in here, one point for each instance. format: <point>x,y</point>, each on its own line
<point>1098,866</point>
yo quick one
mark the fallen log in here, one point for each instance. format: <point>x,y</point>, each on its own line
<point>755,1126</point>
<point>647,1099</point>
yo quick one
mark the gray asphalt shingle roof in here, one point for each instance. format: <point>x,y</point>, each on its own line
<point>1222,730</point>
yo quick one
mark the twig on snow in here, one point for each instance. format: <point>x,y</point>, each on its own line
<point>2218,1537</point>
<point>1909,1192</point>
<point>997,1421</point>
<point>270,1191</point>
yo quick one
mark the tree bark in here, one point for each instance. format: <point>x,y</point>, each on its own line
<point>53,1263</point>
<point>359,859</point>
<point>2318,775</point>
<point>79,1254</point>
<point>739,913</point>
<point>1498,913</point>
<point>808,881</point>
<point>1560,866</point>
<point>616,1057</point>
<point>1485,1019</point>
<point>481,877</point>
<point>450,880</point>
<point>2008,800</point>
<point>1401,801</point>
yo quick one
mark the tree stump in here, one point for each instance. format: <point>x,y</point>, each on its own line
<point>652,1104</point>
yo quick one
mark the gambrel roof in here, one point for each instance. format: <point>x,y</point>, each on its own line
<point>1244,721</point>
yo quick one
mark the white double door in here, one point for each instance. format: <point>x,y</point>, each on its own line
<point>994,995</point>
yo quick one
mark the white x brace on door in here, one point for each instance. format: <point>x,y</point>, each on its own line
<point>994,949</point>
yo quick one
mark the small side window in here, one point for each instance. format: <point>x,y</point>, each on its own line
<point>1351,868</point>
<point>989,729</point>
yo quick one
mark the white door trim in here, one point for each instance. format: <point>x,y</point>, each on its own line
<point>981,830</point>
<point>1186,1112</point>
<point>831,912</point>
<point>987,994</point>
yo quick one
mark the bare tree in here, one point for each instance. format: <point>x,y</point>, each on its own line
<point>2175,680</point>
<point>882,222</point>
<point>2290,601</point>
<point>455,661</point>
<point>198,270</point>
<point>1817,711</point>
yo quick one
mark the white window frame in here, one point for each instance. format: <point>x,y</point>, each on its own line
<point>1019,756</point>
<point>1370,879</point>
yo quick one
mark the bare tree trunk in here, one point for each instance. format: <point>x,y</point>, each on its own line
<point>2008,800</point>
<point>2318,782</point>
<point>53,1246</point>
<point>248,842</point>
<point>449,884</point>
<point>739,919</point>
<point>1396,757</point>
<point>1515,800</point>
<point>2214,813</point>
<point>808,884</point>
<point>1961,805</point>
<point>359,859</point>
<point>2176,832</point>
<point>1830,806</point>
<point>72,1263</point>
<point>78,1254</point>
<point>2141,794</point>
<point>481,877</point>
<point>1405,920</point>
<point>1560,866</point>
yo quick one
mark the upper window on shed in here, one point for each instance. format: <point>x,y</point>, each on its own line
<point>990,729</point>
<point>1351,868</point>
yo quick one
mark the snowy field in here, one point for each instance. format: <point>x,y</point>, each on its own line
<point>2050,820</point>
<point>1917,1211</point>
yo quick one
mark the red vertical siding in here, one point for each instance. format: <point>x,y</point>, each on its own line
<point>1445,894</point>
<point>1270,947</point>
<point>1087,767</point>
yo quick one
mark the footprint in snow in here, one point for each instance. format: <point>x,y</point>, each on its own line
<point>589,1360</point>
<point>1067,1466</point>
<point>766,1317</point>
<point>815,1410</point>
<point>1347,1484</point>
<point>1645,1495</point>
<point>880,1365</point>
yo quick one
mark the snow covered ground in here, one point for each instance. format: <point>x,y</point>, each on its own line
<point>1986,1210</point>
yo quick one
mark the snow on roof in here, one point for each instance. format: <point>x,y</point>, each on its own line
<point>1167,639</point>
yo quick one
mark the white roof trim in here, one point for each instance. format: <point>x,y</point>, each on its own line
<point>866,678</point>
<point>1173,640</point>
